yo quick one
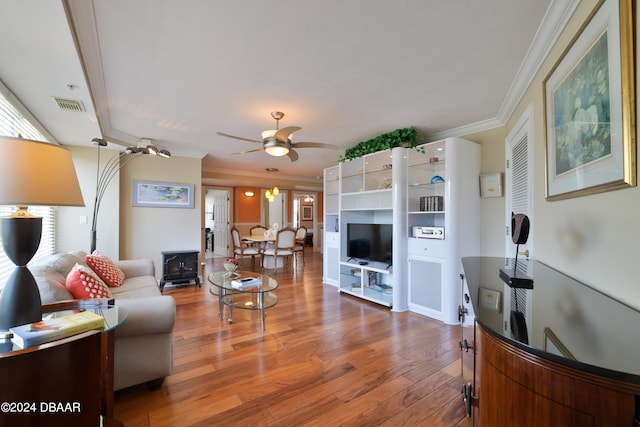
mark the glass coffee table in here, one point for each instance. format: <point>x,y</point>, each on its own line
<point>256,297</point>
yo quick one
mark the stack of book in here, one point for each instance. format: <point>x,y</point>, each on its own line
<point>54,329</point>
<point>247,282</point>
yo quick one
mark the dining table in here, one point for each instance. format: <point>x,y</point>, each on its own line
<point>263,242</point>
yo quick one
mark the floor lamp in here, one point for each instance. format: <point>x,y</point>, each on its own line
<point>110,170</point>
<point>31,173</point>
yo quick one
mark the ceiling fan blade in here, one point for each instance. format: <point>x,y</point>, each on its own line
<point>284,133</point>
<point>250,151</point>
<point>238,137</point>
<point>292,155</point>
<point>315,145</point>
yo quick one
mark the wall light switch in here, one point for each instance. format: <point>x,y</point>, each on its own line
<point>84,219</point>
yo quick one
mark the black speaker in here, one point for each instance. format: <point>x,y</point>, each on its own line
<point>519,228</point>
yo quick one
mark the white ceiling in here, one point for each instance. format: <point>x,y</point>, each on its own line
<point>177,72</point>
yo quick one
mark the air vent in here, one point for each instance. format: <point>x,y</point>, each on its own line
<point>69,104</point>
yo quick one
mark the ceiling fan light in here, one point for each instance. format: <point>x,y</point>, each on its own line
<point>277,151</point>
<point>164,153</point>
<point>276,148</point>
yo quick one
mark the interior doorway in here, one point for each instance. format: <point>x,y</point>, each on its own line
<point>275,211</point>
<point>305,214</point>
<point>216,222</point>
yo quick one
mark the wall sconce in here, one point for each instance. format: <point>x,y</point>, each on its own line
<point>248,193</point>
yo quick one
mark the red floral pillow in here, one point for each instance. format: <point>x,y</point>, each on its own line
<point>83,283</point>
<point>105,268</point>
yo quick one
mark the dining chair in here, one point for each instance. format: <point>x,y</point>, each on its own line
<point>257,230</point>
<point>301,233</point>
<point>242,250</point>
<point>282,248</point>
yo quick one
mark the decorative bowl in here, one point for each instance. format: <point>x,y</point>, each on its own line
<point>230,267</point>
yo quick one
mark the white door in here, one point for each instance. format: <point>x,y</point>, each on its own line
<point>519,193</point>
<point>518,182</point>
<point>221,230</point>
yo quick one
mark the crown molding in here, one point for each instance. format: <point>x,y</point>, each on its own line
<point>554,21</point>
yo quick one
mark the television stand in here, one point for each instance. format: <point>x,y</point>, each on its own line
<point>369,280</point>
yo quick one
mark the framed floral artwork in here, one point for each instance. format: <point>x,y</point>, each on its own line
<point>589,107</point>
<point>162,194</point>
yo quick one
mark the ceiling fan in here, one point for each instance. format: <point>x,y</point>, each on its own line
<point>277,142</point>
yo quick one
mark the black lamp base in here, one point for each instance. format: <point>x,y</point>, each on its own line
<point>20,300</point>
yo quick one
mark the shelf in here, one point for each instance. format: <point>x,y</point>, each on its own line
<point>379,267</point>
<point>427,185</point>
<point>371,295</point>
<point>427,166</point>
<point>425,212</point>
<point>367,200</point>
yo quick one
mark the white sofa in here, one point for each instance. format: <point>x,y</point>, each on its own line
<point>144,342</point>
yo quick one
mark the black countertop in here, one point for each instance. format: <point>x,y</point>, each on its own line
<point>565,320</point>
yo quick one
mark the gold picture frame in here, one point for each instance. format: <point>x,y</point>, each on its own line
<point>552,344</point>
<point>307,213</point>
<point>589,101</point>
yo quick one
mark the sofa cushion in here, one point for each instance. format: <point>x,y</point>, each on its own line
<point>83,283</point>
<point>63,262</point>
<point>51,284</point>
<point>105,268</point>
<point>136,287</point>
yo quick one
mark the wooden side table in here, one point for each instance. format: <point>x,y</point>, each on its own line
<point>114,316</point>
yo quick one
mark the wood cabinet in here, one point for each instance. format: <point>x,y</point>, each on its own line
<point>584,379</point>
<point>179,267</point>
<point>57,383</point>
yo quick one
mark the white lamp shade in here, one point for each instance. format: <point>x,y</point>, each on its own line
<point>37,173</point>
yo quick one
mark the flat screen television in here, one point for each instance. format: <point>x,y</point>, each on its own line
<point>370,242</point>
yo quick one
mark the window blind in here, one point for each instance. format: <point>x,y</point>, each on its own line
<point>14,124</point>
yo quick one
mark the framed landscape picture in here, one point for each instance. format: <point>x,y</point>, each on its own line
<point>162,194</point>
<point>589,107</point>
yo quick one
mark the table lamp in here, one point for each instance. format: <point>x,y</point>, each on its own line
<point>31,173</point>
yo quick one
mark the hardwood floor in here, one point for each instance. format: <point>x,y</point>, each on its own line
<point>325,359</point>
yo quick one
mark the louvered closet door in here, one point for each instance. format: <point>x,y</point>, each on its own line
<point>518,183</point>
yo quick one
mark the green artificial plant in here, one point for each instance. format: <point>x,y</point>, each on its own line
<point>406,137</point>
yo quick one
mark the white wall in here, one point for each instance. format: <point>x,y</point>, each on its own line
<point>492,209</point>
<point>124,231</point>
<point>147,231</point>
<point>71,233</point>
